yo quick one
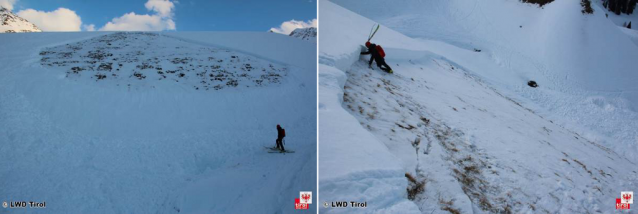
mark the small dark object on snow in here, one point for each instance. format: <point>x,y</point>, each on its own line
<point>77,69</point>
<point>629,25</point>
<point>139,75</point>
<point>532,84</point>
<point>477,50</point>
<point>520,26</point>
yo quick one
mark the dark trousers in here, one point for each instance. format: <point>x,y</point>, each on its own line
<point>280,144</point>
<point>383,66</point>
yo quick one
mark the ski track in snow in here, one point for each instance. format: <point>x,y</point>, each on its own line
<point>85,145</point>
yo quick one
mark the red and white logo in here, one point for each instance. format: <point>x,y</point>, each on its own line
<point>626,198</point>
<point>305,198</point>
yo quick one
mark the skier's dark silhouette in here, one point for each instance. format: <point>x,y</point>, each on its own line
<point>280,136</point>
<point>372,50</point>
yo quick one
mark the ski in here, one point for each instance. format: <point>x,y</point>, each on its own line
<point>276,150</point>
<point>287,151</point>
<point>373,31</point>
<point>271,148</point>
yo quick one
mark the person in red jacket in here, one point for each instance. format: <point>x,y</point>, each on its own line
<point>281,133</point>
<point>376,56</point>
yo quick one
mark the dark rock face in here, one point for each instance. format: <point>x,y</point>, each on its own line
<point>305,33</point>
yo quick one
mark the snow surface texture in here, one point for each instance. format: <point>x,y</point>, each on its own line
<point>85,145</point>
<point>576,60</point>
<point>125,58</point>
<point>305,33</point>
<point>632,33</point>
<point>12,23</point>
<point>458,116</point>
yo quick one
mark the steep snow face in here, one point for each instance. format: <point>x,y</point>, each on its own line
<point>158,146</point>
<point>305,33</point>
<point>449,118</point>
<point>575,58</point>
<point>354,165</point>
<point>12,23</point>
<point>477,150</point>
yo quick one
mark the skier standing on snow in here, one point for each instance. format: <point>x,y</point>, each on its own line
<point>281,133</point>
<point>376,56</point>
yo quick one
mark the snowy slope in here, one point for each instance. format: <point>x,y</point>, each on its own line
<point>583,63</point>
<point>305,33</point>
<point>12,23</point>
<point>631,33</point>
<point>462,122</point>
<point>162,143</point>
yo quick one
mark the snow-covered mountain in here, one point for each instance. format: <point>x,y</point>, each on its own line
<point>170,122</point>
<point>456,128</point>
<point>305,33</point>
<point>12,23</point>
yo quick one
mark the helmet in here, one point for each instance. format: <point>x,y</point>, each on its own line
<point>368,44</point>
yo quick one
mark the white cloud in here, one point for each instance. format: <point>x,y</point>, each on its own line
<point>135,22</point>
<point>61,19</point>
<point>163,8</point>
<point>90,27</point>
<point>162,19</point>
<point>7,4</point>
<point>289,26</point>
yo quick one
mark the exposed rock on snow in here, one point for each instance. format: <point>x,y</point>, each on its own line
<point>12,23</point>
<point>147,59</point>
<point>305,33</point>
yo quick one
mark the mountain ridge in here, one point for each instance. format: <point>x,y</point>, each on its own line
<point>12,23</point>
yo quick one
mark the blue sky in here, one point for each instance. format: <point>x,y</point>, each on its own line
<point>187,15</point>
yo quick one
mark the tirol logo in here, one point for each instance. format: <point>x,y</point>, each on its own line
<point>306,198</point>
<point>626,198</point>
